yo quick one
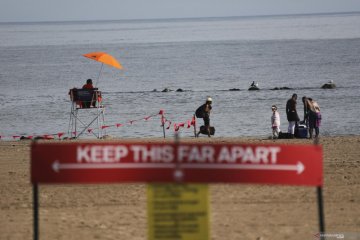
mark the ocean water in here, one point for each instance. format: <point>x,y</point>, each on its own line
<point>40,62</point>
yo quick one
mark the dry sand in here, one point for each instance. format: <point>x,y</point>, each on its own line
<point>118,211</point>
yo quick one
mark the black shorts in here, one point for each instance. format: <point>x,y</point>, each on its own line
<point>206,120</point>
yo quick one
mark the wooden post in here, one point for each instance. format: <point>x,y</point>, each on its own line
<point>194,126</point>
<point>163,124</point>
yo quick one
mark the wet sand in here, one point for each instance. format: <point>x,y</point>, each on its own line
<point>118,211</point>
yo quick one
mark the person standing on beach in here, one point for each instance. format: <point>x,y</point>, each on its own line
<point>204,112</point>
<point>306,107</point>
<point>275,122</point>
<point>291,114</point>
<point>313,115</point>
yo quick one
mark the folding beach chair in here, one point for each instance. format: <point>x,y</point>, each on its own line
<point>89,103</point>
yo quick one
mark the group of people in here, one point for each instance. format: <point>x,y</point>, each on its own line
<point>312,117</point>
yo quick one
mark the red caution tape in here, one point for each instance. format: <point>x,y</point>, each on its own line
<point>164,121</point>
<point>168,127</point>
<point>60,134</point>
<point>48,137</point>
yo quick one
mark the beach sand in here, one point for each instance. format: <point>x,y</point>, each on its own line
<point>118,211</point>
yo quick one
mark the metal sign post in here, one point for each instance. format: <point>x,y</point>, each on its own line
<point>320,203</point>
<point>321,211</point>
<point>36,211</point>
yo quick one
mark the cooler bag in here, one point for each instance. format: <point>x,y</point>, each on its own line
<point>301,131</point>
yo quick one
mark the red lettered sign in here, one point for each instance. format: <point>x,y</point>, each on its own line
<point>169,162</point>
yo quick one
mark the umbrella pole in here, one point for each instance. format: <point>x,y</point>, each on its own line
<point>97,80</point>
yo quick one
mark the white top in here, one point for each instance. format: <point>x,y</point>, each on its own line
<point>275,119</point>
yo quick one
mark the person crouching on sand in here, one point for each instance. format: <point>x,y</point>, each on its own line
<point>204,112</point>
<point>275,122</point>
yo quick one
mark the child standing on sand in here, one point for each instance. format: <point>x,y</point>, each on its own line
<point>275,122</point>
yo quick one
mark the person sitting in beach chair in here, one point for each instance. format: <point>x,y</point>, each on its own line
<point>87,96</point>
<point>89,101</point>
<point>89,86</point>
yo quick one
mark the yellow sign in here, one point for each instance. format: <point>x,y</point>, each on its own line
<point>178,212</point>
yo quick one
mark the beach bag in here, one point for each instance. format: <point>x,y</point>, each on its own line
<point>284,135</point>
<point>204,131</point>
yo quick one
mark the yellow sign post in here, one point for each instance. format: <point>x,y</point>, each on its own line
<point>178,212</point>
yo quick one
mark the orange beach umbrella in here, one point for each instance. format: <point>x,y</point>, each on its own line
<point>104,58</point>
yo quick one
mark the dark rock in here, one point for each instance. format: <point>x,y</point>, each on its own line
<point>179,90</point>
<point>252,88</point>
<point>166,90</point>
<point>328,86</point>
<point>25,138</point>
<point>281,88</point>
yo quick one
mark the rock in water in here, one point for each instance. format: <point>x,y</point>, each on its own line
<point>329,85</point>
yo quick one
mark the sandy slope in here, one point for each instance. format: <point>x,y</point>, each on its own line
<point>237,211</point>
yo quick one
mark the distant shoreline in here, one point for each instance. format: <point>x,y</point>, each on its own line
<point>206,18</point>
